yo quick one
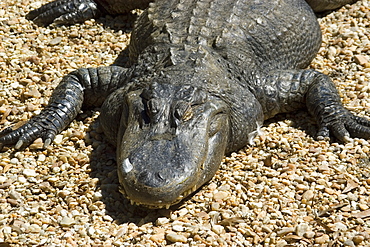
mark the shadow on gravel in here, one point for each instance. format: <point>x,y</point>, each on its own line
<point>122,23</point>
<point>300,119</point>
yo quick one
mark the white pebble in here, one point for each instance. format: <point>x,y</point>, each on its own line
<point>29,173</point>
<point>22,179</point>
<point>107,218</point>
<point>91,231</point>
<point>7,229</point>
<point>177,228</point>
<point>14,161</point>
<point>58,139</point>
<point>41,158</point>
<point>301,229</point>
<point>3,179</point>
<point>66,221</point>
<point>97,196</point>
<point>162,221</point>
<point>173,237</point>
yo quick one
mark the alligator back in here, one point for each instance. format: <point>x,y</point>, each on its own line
<point>246,33</point>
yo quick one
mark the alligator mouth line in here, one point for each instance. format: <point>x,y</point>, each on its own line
<point>166,206</point>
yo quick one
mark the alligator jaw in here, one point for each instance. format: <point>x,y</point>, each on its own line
<point>166,206</point>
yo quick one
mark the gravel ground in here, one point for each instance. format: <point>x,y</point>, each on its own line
<point>288,189</point>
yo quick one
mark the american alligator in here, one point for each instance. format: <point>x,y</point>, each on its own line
<point>204,76</point>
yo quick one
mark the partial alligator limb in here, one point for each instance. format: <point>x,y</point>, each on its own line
<point>68,12</point>
<point>88,87</point>
<point>65,12</point>
<point>289,90</point>
<point>325,5</point>
<point>324,103</point>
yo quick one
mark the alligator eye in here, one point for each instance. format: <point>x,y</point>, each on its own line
<point>216,124</point>
<point>184,111</point>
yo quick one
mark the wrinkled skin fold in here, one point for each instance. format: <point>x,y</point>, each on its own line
<point>203,77</point>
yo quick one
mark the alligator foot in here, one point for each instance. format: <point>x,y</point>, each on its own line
<point>26,134</point>
<point>344,125</point>
<point>64,12</point>
<point>324,103</point>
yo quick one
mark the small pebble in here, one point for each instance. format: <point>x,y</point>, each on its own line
<point>221,195</point>
<point>29,173</point>
<point>361,59</point>
<point>177,228</point>
<point>322,239</point>
<point>34,228</point>
<point>215,206</point>
<point>162,221</point>
<point>358,239</point>
<point>173,237</point>
<point>301,229</point>
<point>157,238</point>
<point>349,243</point>
<point>66,221</point>
<point>308,196</point>
<point>309,234</point>
<point>285,231</point>
<point>58,139</point>
<point>55,41</point>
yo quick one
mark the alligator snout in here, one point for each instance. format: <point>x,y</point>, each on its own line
<point>159,173</point>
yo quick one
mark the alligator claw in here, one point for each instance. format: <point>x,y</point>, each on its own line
<point>64,12</point>
<point>345,127</point>
<point>47,142</point>
<point>26,134</point>
<point>19,144</point>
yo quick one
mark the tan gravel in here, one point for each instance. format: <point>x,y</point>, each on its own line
<point>288,189</point>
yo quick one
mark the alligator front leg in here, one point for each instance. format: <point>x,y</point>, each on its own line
<point>64,12</point>
<point>289,90</point>
<point>74,11</point>
<point>323,102</point>
<point>83,87</point>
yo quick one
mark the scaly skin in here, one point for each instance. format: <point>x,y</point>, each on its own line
<point>204,76</point>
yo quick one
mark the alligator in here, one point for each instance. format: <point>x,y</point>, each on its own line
<point>203,77</point>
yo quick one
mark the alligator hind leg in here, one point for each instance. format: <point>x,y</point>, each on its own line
<point>83,87</point>
<point>289,90</point>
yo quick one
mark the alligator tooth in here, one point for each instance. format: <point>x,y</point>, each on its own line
<point>168,206</point>
<point>194,188</point>
<point>122,191</point>
<point>127,166</point>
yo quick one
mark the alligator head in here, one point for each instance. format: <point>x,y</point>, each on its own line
<point>172,141</point>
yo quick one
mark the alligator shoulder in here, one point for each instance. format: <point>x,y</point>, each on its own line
<point>204,75</point>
